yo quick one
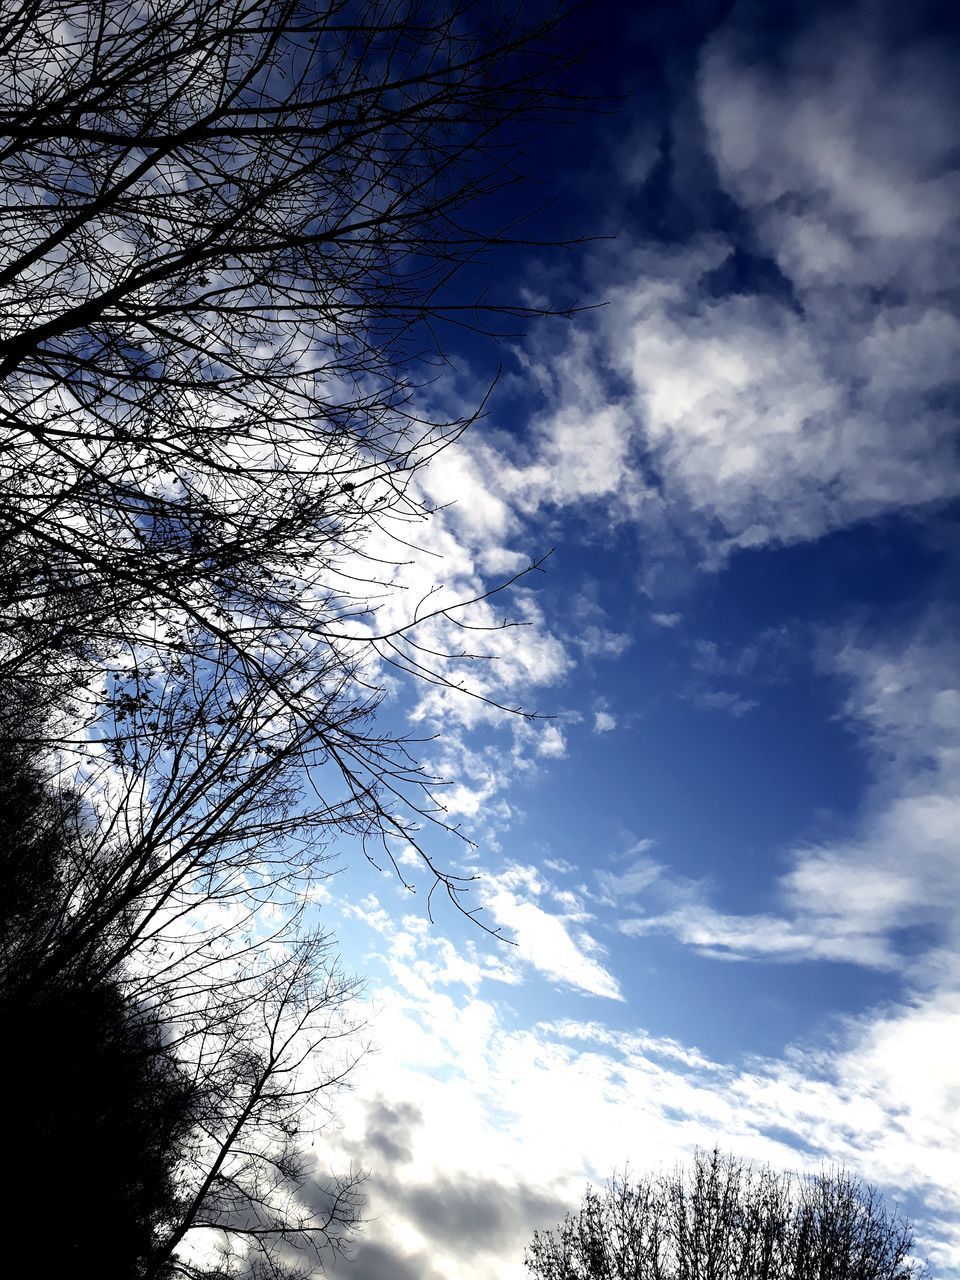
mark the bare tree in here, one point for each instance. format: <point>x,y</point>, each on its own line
<point>267,1068</point>
<point>230,231</point>
<point>721,1219</point>
<point>182,1083</point>
<point>97,1109</point>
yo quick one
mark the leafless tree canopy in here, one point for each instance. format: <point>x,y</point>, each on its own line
<point>721,1219</point>
<point>231,238</point>
<point>231,231</point>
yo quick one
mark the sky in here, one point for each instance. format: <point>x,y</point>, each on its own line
<point>726,856</point>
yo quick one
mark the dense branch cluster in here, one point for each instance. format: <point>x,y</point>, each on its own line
<point>720,1219</point>
<point>230,231</point>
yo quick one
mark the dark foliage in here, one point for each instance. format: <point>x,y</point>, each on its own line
<point>143,1107</point>
<point>97,1109</point>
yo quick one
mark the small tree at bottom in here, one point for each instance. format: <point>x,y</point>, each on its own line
<point>721,1219</point>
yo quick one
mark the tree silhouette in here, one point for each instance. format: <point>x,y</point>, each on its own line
<point>720,1219</point>
<point>98,1109</point>
<point>231,236</point>
<point>149,1111</point>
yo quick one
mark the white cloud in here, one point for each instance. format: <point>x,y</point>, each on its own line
<point>484,773</point>
<point>551,743</point>
<point>850,899</point>
<point>420,960</point>
<point>722,935</point>
<point>463,477</point>
<point>763,422</point>
<point>767,425</point>
<point>774,417</point>
<point>560,866</point>
<point>734,704</point>
<point>640,875</point>
<point>604,722</point>
<point>580,448</point>
<point>540,1110</point>
<point>544,939</point>
<point>498,649</point>
<point>844,151</point>
<point>600,642</point>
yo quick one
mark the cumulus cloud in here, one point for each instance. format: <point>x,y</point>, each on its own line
<point>759,416</point>
<point>844,151</point>
<point>769,425</point>
<point>552,743</point>
<point>764,422</point>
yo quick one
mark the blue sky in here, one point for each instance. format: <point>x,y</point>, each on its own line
<point>727,854</point>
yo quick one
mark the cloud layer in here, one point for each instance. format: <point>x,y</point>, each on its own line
<point>766,382</point>
<point>542,1109</point>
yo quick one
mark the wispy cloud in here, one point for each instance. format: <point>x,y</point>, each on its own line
<point>852,899</point>
<point>727,700</point>
<point>668,620</point>
<point>546,940</point>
